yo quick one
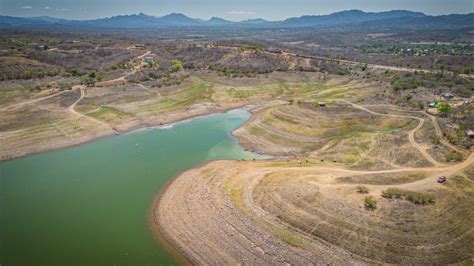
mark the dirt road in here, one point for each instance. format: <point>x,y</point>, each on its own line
<point>72,110</point>
<point>213,215</point>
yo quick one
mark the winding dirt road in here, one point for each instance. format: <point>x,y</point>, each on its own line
<point>208,213</point>
<point>411,134</point>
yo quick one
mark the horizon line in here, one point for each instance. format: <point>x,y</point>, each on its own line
<point>214,16</point>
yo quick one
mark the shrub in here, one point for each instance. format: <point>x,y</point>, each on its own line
<point>419,198</point>
<point>362,189</point>
<point>444,108</point>
<point>176,66</point>
<point>392,193</point>
<point>414,197</point>
<point>453,156</point>
<point>370,203</point>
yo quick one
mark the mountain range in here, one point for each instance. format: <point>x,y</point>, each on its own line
<point>352,18</point>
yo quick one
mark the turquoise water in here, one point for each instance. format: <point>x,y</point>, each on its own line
<point>90,204</point>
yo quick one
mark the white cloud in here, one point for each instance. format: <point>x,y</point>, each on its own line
<point>47,7</point>
<point>241,12</point>
<point>26,7</point>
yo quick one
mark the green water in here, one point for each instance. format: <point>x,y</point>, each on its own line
<point>90,204</point>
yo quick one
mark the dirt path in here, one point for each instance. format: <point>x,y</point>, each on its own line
<point>376,66</point>
<point>150,90</point>
<point>122,79</point>
<point>37,100</point>
<point>72,110</point>
<point>210,213</point>
<point>439,132</point>
<point>411,134</point>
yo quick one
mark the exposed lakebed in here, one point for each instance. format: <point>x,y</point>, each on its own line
<point>90,204</point>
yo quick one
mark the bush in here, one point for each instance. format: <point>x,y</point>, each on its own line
<point>370,203</point>
<point>453,156</point>
<point>392,193</point>
<point>176,66</point>
<point>419,198</point>
<point>444,108</point>
<point>414,197</point>
<point>362,189</point>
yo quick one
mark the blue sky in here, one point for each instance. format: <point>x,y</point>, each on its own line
<point>232,10</point>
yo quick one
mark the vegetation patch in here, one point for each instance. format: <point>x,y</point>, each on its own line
<point>411,196</point>
<point>370,203</point>
<point>362,189</point>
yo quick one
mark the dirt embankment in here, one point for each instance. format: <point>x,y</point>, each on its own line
<point>303,209</point>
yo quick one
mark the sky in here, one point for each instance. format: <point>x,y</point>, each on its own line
<point>231,10</point>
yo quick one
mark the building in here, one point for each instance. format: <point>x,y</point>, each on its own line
<point>447,96</point>
<point>275,50</point>
<point>149,59</point>
<point>42,47</point>
<point>470,133</point>
<point>322,104</point>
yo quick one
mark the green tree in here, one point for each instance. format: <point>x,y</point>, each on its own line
<point>444,108</point>
<point>176,65</point>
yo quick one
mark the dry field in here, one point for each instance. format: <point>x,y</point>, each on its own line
<point>313,203</point>
<point>36,120</point>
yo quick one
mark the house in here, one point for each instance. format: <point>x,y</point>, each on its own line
<point>149,59</point>
<point>447,96</point>
<point>470,133</point>
<point>275,50</point>
<point>433,104</point>
<point>42,47</point>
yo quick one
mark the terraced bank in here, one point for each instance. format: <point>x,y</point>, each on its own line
<point>306,206</point>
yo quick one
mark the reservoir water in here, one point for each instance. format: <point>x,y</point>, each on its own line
<point>90,204</point>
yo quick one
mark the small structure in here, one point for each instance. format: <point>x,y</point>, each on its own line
<point>149,59</point>
<point>433,104</point>
<point>275,50</point>
<point>42,47</point>
<point>447,96</point>
<point>322,104</point>
<point>470,133</point>
<point>140,46</point>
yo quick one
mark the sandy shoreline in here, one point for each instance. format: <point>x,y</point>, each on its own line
<point>163,237</point>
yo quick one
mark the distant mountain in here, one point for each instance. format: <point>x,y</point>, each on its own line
<point>177,19</point>
<point>349,18</point>
<point>215,21</point>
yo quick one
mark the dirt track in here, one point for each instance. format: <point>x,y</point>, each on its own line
<point>222,214</point>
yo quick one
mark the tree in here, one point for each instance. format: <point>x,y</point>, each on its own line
<point>444,108</point>
<point>176,66</point>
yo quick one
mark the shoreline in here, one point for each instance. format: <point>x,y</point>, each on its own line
<point>161,236</point>
<point>165,240</point>
<point>130,130</point>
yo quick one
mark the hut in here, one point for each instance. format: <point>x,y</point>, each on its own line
<point>470,133</point>
<point>275,50</point>
<point>447,96</point>
<point>149,59</point>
